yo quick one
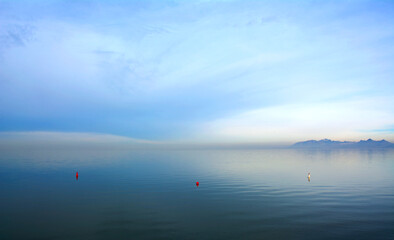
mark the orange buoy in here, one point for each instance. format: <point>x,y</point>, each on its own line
<point>197,183</point>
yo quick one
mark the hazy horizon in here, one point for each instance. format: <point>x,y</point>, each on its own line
<point>108,141</point>
<point>206,72</point>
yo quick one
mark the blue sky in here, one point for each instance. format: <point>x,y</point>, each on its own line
<point>198,71</point>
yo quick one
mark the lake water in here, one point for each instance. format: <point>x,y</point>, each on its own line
<point>243,194</point>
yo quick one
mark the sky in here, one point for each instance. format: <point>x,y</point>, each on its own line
<point>269,72</point>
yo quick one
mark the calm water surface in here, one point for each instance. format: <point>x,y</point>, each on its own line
<point>243,194</point>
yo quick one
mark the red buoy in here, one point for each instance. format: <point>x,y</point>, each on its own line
<point>197,183</point>
<point>76,176</point>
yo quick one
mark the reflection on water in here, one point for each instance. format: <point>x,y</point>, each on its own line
<point>206,194</point>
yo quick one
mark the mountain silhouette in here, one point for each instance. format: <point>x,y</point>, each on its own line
<point>327,143</point>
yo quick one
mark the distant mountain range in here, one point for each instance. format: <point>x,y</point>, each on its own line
<point>327,143</point>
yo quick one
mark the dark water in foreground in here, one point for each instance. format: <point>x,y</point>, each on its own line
<point>243,194</point>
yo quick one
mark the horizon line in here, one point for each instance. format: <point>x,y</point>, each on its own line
<point>58,137</point>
